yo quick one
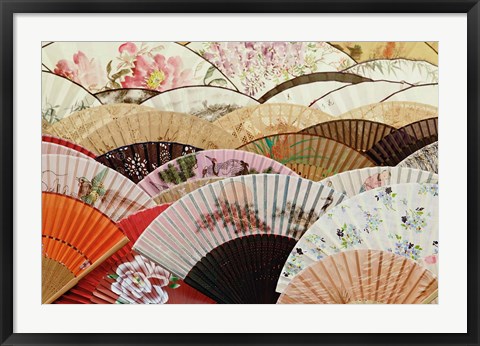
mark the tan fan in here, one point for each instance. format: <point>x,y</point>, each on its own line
<point>158,126</point>
<point>76,238</point>
<point>362,277</point>
<point>356,133</point>
<point>310,156</point>
<point>250,123</point>
<point>176,192</point>
<point>394,113</point>
<point>80,124</point>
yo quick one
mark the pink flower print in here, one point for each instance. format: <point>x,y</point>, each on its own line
<point>430,259</point>
<point>83,71</point>
<point>158,73</point>
<point>128,47</point>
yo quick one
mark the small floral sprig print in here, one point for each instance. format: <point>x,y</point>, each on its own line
<point>435,247</point>
<point>372,219</point>
<point>318,251</point>
<point>405,248</point>
<point>386,196</point>
<point>414,220</point>
<point>295,264</point>
<point>431,189</point>
<point>349,236</point>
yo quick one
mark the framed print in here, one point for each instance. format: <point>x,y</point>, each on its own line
<point>242,173</point>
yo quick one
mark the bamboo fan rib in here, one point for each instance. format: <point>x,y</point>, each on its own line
<point>209,164</point>
<point>425,159</point>
<point>157,126</point>
<point>76,238</point>
<point>358,134</point>
<point>94,184</point>
<point>136,161</point>
<point>362,277</point>
<point>250,123</point>
<point>403,142</point>
<point>310,156</point>
<point>228,239</point>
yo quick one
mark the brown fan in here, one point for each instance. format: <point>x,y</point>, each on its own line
<point>362,277</point>
<point>76,238</point>
<point>393,113</point>
<point>250,123</point>
<point>158,126</point>
<point>356,133</point>
<point>310,156</point>
<point>403,142</point>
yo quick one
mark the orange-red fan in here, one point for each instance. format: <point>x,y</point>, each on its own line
<point>76,238</point>
<point>398,145</point>
<point>68,144</point>
<point>127,277</point>
<point>356,133</point>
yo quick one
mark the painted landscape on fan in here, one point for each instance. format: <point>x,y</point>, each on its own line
<point>240,173</point>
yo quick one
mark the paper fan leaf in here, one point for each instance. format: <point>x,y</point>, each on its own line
<point>403,142</point>
<point>425,159</point>
<point>209,164</point>
<point>176,192</point>
<point>136,161</point>
<point>402,219</point>
<point>93,183</point>
<point>135,96</point>
<point>53,148</point>
<point>65,144</point>
<point>268,207</point>
<point>310,156</point>
<point>362,277</point>
<point>354,182</point>
<point>68,253</point>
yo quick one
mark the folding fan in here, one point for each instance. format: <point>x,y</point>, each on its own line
<point>229,239</point>
<point>76,238</point>
<point>176,192</point>
<point>354,182</point>
<point>356,133</point>
<point>62,97</point>
<point>396,114</point>
<point>209,164</point>
<point>425,158</point>
<point>136,161</point>
<point>93,183</point>
<point>256,67</point>
<point>303,90</point>
<point>129,95</point>
<point>158,66</point>
<point>426,94</point>
<point>250,123</point>
<point>52,148</point>
<point>129,278</point>
<point>158,126</point>
<point>366,51</point>
<point>402,219</point>
<point>67,145</point>
<point>79,125</point>
<point>206,102</point>
<point>403,142</point>
<point>350,97</point>
<point>397,70</point>
<point>310,156</point>
<point>362,277</point>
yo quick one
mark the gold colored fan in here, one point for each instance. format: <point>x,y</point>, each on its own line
<point>362,277</point>
<point>158,126</point>
<point>80,124</point>
<point>250,123</point>
<point>394,113</point>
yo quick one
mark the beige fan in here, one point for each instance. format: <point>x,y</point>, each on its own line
<point>362,277</point>
<point>250,123</point>
<point>176,192</point>
<point>394,113</point>
<point>158,126</point>
<point>80,124</point>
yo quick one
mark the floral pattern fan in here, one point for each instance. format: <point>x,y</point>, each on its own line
<point>136,161</point>
<point>311,157</point>
<point>209,164</point>
<point>402,219</point>
<point>228,239</point>
<point>93,183</point>
<point>153,66</point>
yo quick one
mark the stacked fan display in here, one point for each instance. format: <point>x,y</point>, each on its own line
<point>239,172</point>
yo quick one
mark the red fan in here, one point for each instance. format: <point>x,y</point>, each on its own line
<point>68,144</point>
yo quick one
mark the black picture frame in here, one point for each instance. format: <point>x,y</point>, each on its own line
<point>9,7</point>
